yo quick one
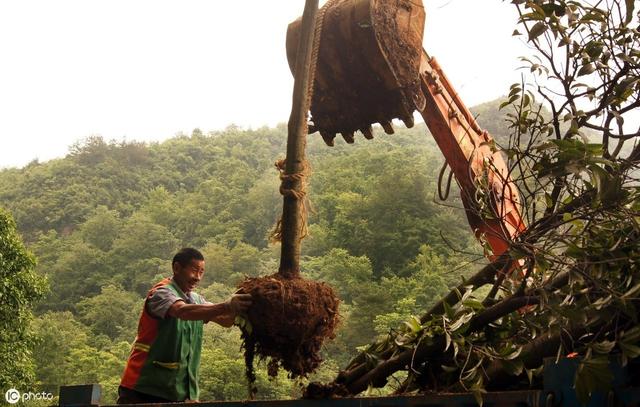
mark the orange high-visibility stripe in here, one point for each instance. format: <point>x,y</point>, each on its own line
<point>147,333</point>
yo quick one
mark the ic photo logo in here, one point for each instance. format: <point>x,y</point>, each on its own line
<point>12,396</point>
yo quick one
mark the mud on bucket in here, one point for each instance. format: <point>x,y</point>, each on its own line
<point>368,64</point>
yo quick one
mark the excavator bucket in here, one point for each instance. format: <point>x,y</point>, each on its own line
<point>367,69</point>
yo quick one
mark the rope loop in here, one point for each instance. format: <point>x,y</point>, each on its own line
<point>299,193</point>
<point>288,179</point>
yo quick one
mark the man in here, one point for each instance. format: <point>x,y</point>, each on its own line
<point>163,364</point>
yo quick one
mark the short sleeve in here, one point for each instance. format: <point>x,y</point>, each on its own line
<point>160,301</point>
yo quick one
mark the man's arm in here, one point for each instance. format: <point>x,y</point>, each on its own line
<point>197,312</point>
<point>223,313</point>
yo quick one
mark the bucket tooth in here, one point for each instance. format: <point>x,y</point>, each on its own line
<point>348,137</point>
<point>408,121</point>
<point>367,132</point>
<point>387,126</point>
<point>328,137</point>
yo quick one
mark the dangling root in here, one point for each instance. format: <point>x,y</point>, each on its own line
<point>290,319</point>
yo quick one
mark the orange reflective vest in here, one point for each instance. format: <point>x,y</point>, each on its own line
<point>165,356</point>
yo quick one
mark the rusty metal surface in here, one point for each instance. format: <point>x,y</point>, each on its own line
<point>467,149</point>
<point>530,398</point>
<point>368,65</point>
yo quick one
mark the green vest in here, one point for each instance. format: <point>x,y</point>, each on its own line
<point>171,368</point>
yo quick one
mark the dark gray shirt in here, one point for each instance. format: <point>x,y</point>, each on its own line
<point>162,299</point>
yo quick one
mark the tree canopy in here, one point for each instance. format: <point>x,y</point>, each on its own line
<point>105,220</point>
<point>569,283</point>
<point>20,288</point>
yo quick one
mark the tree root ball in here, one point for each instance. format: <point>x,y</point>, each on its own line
<point>290,319</point>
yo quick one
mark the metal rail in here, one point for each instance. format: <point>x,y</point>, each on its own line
<point>529,398</point>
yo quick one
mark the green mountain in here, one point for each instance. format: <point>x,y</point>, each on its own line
<point>104,221</point>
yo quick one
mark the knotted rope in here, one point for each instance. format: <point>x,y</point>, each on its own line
<point>300,194</point>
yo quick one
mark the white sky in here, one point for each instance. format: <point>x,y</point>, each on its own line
<point>147,69</point>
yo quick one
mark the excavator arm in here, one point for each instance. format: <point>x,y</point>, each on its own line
<point>469,151</point>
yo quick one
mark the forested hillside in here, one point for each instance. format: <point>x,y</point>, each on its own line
<point>104,221</point>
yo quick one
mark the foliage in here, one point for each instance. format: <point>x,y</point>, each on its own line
<point>69,354</point>
<point>105,220</point>
<point>102,250</point>
<point>578,171</point>
<point>113,313</point>
<point>20,288</point>
<point>573,153</point>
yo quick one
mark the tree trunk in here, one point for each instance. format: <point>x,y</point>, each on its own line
<point>292,222</point>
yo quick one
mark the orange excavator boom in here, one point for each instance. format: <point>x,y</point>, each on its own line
<point>470,152</point>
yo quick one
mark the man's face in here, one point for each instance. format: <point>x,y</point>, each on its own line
<point>189,276</point>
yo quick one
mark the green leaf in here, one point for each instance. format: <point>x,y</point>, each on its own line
<point>586,69</point>
<point>529,375</point>
<point>566,40</point>
<point>630,7</point>
<point>632,292</point>
<point>477,389</point>
<point>511,100</point>
<point>537,9</point>
<point>533,372</point>
<point>477,394</point>
<point>630,350</point>
<point>244,324</point>
<point>599,178</point>
<point>603,347</point>
<point>514,354</point>
<point>574,251</point>
<point>448,311</point>
<point>473,304</point>
<point>594,49</point>
<point>551,9</point>
<point>538,29</point>
<point>461,321</point>
<point>632,335</point>
<point>625,87</point>
<point>413,324</point>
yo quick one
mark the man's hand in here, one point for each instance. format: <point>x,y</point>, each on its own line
<point>238,303</point>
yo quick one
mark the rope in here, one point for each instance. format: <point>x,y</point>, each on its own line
<point>315,50</point>
<point>301,177</point>
<point>299,194</point>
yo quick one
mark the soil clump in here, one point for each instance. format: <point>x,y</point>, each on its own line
<point>290,319</point>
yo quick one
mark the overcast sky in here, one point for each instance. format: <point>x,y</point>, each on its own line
<point>148,69</point>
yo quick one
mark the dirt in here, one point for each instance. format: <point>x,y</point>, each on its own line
<point>290,320</point>
<point>402,48</point>
<point>323,391</point>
